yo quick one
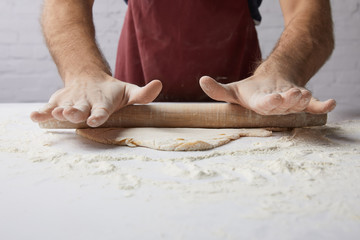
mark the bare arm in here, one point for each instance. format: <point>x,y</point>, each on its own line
<point>90,93</point>
<point>277,86</point>
<point>70,36</point>
<point>306,42</point>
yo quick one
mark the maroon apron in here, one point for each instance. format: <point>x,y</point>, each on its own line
<point>178,41</point>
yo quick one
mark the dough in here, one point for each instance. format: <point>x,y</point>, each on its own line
<point>169,139</point>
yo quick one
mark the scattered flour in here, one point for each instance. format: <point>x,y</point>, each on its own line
<point>306,171</point>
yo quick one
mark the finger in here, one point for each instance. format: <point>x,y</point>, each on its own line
<point>302,103</point>
<point>264,105</point>
<point>77,113</point>
<point>143,95</point>
<point>318,107</point>
<point>43,114</point>
<point>98,116</point>
<point>57,113</point>
<point>217,91</point>
<point>290,99</point>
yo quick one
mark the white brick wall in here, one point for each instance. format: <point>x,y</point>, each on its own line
<point>27,73</point>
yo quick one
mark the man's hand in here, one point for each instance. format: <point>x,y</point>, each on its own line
<point>277,85</point>
<point>90,94</point>
<point>93,100</point>
<point>266,95</point>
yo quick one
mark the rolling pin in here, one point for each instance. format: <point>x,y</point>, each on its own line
<point>196,115</point>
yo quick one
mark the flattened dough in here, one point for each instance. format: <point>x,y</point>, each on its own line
<point>169,139</point>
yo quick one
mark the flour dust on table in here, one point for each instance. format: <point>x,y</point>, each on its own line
<point>306,172</point>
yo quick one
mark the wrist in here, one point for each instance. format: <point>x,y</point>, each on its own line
<point>275,70</point>
<point>87,74</point>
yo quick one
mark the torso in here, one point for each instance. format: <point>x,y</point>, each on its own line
<point>179,41</point>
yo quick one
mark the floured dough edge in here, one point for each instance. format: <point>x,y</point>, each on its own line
<point>112,136</point>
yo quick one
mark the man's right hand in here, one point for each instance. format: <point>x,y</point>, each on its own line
<point>94,99</point>
<point>90,94</point>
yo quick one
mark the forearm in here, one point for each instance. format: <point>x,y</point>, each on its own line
<point>305,44</point>
<point>70,36</point>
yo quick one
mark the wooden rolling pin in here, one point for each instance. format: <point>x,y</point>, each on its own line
<point>196,115</point>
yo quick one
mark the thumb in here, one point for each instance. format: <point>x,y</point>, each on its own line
<point>146,94</point>
<point>217,91</point>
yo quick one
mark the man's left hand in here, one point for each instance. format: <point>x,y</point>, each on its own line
<point>266,95</point>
